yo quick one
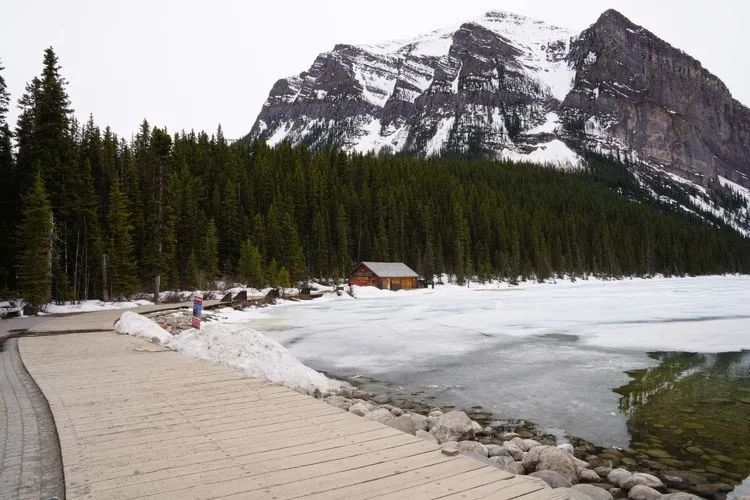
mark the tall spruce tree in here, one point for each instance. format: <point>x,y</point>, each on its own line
<point>34,237</point>
<point>121,266</point>
<point>8,191</point>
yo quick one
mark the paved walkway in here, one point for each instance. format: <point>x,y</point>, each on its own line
<point>30,464</point>
<point>138,421</point>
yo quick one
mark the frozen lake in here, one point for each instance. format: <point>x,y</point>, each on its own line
<point>549,353</point>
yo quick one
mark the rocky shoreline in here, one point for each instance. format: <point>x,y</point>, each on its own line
<point>586,472</point>
<point>577,468</point>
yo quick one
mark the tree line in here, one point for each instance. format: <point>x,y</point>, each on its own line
<point>88,214</point>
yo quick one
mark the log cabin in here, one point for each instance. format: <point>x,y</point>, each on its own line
<point>384,275</point>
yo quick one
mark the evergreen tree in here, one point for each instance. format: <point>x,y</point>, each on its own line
<point>121,266</point>
<point>284,280</point>
<point>210,255</point>
<point>250,267</point>
<point>8,191</point>
<point>34,237</point>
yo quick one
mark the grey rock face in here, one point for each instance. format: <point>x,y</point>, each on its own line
<point>635,92</point>
<point>506,85</point>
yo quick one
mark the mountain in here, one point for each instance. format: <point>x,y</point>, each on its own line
<point>508,86</point>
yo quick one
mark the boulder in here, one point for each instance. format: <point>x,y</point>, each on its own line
<point>589,476</point>
<point>643,492</point>
<point>594,492</point>
<point>402,423</point>
<point>435,413</point>
<point>552,458</point>
<point>466,447</point>
<point>514,450</point>
<point>425,436</point>
<point>397,412</point>
<point>686,496</point>
<point>380,415</point>
<point>567,447</point>
<point>507,464</point>
<point>382,399</point>
<point>453,426</point>
<point>602,470</point>
<point>641,478</point>
<point>420,421</point>
<point>618,476</point>
<point>495,450</point>
<point>507,436</point>
<point>521,443</point>
<point>339,402</point>
<point>531,443</point>
<point>359,409</point>
<point>552,478</point>
<point>573,494</point>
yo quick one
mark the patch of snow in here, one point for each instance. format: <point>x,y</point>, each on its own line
<point>554,153</point>
<point>279,134</point>
<point>134,324</point>
<point>91,306</point>
<point>442,132</point>
<point>242,348</point>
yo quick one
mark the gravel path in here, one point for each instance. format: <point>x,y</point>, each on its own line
<point>30,462</point>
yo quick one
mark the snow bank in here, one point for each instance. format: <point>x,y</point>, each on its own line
<point>242,348</point>
<point>92,305</point>
<point>234,346</point>
<point>368,292</point>
<point>134,324</point>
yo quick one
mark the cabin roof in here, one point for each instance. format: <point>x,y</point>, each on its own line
<point>390,269</point>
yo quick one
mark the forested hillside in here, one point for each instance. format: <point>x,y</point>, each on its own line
<point>88,215</point>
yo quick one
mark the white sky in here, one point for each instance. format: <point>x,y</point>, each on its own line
<point>193,64</point>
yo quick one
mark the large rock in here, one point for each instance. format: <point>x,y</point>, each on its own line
<point>425,436</point>
<point>402,423</point>
<point>507,464</point>
<point>514,450</point>
<point>680,495</point>
<point>466,447</point>
<point>573,494</point>
<point>619,476</point>
<point>420,421</point>
<point>453,426</point>
<point>643,492</point>
<point>380,415</point>
<point>359,409</point>
<point>339,402</point>
<point>552,478</point>
<point>495,450</point>
<point>641,478</point>
<point>594,492</point>
<point>521,443</point>
<point>589,476</point>
<point>567,447</point>
<point>552,458</point>
<point>531,443</point>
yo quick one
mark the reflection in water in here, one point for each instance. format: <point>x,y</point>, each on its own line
<point>692,413</point>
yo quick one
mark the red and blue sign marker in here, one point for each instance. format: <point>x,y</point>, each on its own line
<point>197,311</point>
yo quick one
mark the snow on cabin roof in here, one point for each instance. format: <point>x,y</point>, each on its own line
<point>391,269</point>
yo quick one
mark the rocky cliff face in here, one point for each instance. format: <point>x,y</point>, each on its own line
<point>634,92</point>
<point>508,86</point>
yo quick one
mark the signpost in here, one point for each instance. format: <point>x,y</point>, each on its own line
<point>197,311</point>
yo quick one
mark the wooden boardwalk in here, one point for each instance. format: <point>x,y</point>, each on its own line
<point>138,421</point>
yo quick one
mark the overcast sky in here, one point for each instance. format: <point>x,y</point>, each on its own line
<point>193,64</point>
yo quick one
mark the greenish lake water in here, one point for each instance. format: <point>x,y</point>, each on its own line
<point>691,413</point>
